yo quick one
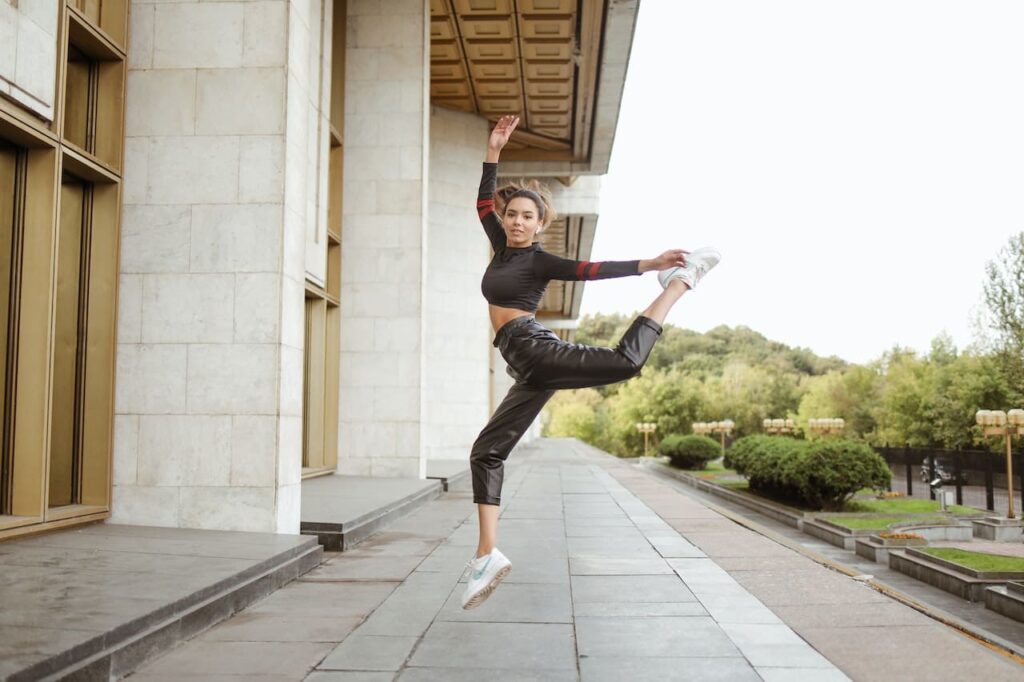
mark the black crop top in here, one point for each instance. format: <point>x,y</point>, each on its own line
<point>517,277</point>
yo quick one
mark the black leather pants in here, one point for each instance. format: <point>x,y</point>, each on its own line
<point>542,363</point>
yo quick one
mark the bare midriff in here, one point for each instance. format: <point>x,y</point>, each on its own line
<point>502,316</point>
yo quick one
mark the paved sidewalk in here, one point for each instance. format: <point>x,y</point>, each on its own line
<point>616,575</point>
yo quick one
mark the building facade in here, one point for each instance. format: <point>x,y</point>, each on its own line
<point>240,246</point>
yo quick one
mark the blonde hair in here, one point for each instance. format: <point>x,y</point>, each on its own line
<point>533,190</point>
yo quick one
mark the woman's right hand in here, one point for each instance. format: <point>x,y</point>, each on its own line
<point>501,133</point>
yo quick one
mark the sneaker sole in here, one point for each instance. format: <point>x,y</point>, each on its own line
<point>481,596</point>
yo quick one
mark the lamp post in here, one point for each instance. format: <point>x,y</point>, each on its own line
<point>826,427</point>
<point>723,428</point>
<point>646,428</point>
<point>774,426</point>
<point>1008,424</point>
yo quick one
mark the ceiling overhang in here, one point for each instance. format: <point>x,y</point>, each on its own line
<point>558,64</point>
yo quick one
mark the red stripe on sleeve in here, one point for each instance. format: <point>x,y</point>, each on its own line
<point>484,206</point>
<point>592,274</point>
<point>579,268</point>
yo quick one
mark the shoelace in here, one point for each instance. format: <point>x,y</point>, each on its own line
<point>468,569</point>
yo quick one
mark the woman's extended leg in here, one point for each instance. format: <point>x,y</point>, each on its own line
<point>658,310</point>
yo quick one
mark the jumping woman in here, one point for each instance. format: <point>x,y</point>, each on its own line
<point>538,360</point>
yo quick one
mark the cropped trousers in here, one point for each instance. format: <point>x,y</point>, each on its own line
<point>542,363</point>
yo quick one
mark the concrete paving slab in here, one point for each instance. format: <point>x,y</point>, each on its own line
<point>373,568</point>
<point>675,548</point>
<point>646,637</point>
<point>248,626</point>
<point>606,669</point>
<point>326,600</point>
<point>609,589</point>
<point>498,646</point>
<point>485,675</point>
<point>174,677</point>
<point>773,646</point>
<point>348,676</point>
<point>801,675</point>
<point>515,603</point>
<point>202,658</point>
<point>411,608</point>
<point>369,653</point>
<point>782,589</point>
<point>901,652</point>
<point>638,609</point>
<point>851,615</point>
<point>611,533</point>
<point>618,566</point>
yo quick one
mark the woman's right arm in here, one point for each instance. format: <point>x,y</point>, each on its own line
<point>489,180</point>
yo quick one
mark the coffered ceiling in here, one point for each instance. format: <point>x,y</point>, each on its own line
<point>534,58</point>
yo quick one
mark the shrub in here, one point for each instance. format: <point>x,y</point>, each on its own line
<point>833,470</point>
<point>744,449</point>
<point>774,467</point>
<point>689,452</point>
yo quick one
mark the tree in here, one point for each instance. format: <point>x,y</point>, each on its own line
<point>1004,297</point>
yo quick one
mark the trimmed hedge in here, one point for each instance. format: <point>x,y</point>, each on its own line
<point>689,452</point>
<point>820,474</point>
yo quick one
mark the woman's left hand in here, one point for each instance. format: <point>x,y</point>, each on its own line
<point>670,259</point>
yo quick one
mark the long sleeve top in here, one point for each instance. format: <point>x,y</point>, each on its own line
<point>517,277</point>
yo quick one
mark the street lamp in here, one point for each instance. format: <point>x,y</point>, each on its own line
<point>826,427</point>
<point>999,423</point>
<point>779,425</point>
<point>723,427</point>
<point>646,428</point>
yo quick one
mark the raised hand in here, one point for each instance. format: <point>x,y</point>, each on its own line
<point>670,259</point>
<point>502,132</point>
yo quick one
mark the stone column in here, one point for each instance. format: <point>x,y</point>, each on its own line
<point>383,238</point>
<point>209,371</point>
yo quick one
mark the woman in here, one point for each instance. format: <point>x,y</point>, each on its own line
<point>537,359</point>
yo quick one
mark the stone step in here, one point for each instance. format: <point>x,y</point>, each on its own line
<point>122,647</point>
<point>342,511</point>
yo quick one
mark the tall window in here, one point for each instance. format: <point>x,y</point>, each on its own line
<point>9,212</point>
<point>323,314</point>
<point>60,198</point>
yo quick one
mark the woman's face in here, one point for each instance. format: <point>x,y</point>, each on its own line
<point>522,222</point>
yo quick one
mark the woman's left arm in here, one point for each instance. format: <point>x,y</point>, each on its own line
<point>550,266</point>
<point>670,259</point>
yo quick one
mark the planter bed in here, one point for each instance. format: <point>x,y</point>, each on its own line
<point>833,533</point>
<point>1007,599</point>
<point>953,578</point>
<point>779,512</point>
<point>876,548</point>
<point>941,532</point>
<point>998,529</point>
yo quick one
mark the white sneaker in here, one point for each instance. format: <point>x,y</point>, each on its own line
<point>698,263</point>
<point>484,575</point>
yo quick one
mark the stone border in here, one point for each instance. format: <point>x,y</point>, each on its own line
<point>128,646</point>
<point>790,517</point>
<point>970,572</point>
<point>1007,600</point>
<point>930,571</point>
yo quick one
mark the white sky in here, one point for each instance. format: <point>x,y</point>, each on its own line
<point>856,163</point>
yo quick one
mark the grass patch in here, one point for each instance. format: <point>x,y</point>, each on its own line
<point>904,506</point>
<point>978,560</point>
<point>734,485</point>
<point>878,522</point>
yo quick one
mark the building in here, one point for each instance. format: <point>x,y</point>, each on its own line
<point>239,246</point>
